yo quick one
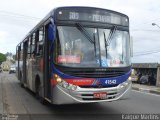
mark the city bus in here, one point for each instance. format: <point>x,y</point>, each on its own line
<point>77,55</point>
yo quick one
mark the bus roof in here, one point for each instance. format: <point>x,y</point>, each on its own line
<point>85,7</point>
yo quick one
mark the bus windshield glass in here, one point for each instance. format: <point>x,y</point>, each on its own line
<point>92,47</point>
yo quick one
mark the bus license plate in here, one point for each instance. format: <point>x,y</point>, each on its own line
<point>101,95</point>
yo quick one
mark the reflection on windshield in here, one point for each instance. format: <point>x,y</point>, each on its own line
<point>118,50</point>
<point>85,32</point>
<point>76,50</point>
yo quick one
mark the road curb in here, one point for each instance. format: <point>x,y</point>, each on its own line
<point>135,88</point>
<point>155,92</point>
<point>146,90</point>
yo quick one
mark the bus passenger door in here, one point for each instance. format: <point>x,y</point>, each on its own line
<point>25,52</point>
<point>18,52</point>
<point>31,61</point>
<point>47,67</point>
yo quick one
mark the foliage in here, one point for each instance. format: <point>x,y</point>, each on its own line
<point>2,58</point>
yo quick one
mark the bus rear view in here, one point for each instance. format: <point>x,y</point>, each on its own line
<point>77,55</point>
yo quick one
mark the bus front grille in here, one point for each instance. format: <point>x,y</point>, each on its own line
<point>94,72</point>
<point>97,86</point>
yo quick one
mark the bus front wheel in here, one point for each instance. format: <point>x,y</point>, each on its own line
<point>38,94</point>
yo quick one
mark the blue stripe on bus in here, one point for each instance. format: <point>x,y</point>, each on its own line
<point>102,81</point>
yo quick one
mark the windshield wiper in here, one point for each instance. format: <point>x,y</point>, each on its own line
<point>85,33</point>
<point>111,34</point>
<point>94,38</point>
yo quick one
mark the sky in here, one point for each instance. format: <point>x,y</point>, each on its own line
<point>18,17</point>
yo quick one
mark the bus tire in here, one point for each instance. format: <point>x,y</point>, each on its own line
<point>21,84</point>
<point>38,89</point>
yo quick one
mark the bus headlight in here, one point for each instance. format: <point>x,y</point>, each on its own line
<point>57,78</point>
<point>73,87</point>
<point>124,84</point>
<point>64,84</point>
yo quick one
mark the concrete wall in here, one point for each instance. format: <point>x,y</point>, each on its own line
<point>158,77</point>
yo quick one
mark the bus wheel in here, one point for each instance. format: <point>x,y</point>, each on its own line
<point>21,84</point>
<point>38,96</point>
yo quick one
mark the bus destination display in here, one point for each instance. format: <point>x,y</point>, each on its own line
<point>93,16</point>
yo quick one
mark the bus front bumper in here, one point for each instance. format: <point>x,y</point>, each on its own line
<point>86,95</point>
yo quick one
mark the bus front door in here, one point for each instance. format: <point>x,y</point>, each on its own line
<point>47,67</point>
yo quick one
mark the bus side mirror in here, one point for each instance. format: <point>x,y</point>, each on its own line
<point>51,32</point>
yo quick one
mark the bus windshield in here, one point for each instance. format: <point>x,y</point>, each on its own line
<point>75,49</point>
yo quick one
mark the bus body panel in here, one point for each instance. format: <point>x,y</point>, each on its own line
<point>64,96</point>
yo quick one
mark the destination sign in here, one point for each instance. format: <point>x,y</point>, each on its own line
<point>92,16</point>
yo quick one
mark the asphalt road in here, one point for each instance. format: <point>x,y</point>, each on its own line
<point>17,100</point>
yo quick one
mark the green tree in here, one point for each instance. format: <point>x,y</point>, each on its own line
<point>2,58</point>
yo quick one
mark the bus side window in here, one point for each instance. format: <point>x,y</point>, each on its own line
<point>18,52</point>
<point>36,42</point>
<point>29,48</point>
<point>40,48</point>
<point>40,42</point>
<point>33,44</point>
<point>21,52</point>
